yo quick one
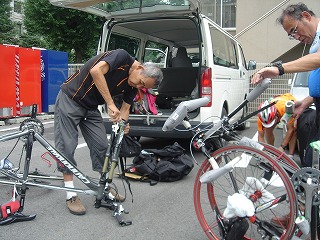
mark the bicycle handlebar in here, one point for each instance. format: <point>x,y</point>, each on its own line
<point>260,88</point>
<point>181,112</point>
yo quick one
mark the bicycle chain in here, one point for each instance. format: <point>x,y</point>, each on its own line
<point>307,177</point>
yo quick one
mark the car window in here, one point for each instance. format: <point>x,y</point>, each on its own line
<point>301,79</point>
<point>156,53</point>
<point>130,44</point>
<point>224,49</point>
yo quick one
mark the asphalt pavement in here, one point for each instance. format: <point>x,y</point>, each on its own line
<point>163,211</point>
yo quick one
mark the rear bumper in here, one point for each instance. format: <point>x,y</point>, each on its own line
<point>154,129</point>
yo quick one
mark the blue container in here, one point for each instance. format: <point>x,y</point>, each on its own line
<point>54,71</point>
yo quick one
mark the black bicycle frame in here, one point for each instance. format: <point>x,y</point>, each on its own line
<point>31,136</point>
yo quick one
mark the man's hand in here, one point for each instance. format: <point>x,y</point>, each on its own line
<point>267,72</point>
<point>299,108</point>
<point>114,113</point>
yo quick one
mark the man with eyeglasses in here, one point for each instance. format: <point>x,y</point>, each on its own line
<point>96,82</point>
<point>301,24</point>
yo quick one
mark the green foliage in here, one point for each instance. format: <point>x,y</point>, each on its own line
<point>7,27</point>
<point>33,40</point>
<point>63,29</point>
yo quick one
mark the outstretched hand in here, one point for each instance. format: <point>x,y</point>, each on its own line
<point>267,72</point>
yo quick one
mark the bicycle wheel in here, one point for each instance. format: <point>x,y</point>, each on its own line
<point>282,159</point>
<point>210,199</point>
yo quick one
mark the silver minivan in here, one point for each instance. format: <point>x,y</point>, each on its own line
<point>197,57</point>
<point>299,85</point>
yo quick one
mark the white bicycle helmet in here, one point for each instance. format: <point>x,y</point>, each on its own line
<point>267,116</point>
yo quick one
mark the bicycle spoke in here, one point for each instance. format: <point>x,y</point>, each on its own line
<point>262,176</point>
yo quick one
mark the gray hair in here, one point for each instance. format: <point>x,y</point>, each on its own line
<point>152,71</point>
<point>294,11</point>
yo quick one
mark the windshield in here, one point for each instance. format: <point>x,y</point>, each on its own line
<point>301,79</point>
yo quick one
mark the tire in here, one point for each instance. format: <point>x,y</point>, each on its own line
<point>283,159</point>
<point>210,199</point>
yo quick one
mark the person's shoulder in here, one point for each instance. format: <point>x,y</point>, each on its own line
<point>116,52</point>
<point>121,51</point>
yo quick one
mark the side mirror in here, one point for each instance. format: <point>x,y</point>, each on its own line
<point>289,82</point>
<point>252,65</point>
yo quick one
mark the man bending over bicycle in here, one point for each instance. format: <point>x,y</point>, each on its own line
<point>102,77</point>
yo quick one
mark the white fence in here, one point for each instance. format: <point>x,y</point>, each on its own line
<point>279,85</point>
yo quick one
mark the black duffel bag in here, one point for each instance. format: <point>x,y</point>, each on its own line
<point>162,165</point>
<point>130,147</point>
<point>307,132</point>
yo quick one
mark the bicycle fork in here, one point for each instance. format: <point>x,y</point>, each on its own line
<point>105,168</point>
<point>107,175</point>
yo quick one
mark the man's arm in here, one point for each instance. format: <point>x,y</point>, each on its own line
<point>125,111</point>
<point>299,107</point>
<point>306,63</point>
<point>303,64</point>
<point>97,73</point>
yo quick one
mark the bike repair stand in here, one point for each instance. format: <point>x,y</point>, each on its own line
<point>11,211</point>
<point>17,217</point>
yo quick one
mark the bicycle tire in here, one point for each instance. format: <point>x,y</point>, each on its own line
<point>283,159</point>
<point>210,199</point>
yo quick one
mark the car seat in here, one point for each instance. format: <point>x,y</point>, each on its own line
<point>181,59</point>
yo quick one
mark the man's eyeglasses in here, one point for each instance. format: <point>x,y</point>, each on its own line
<point>293,32</point>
